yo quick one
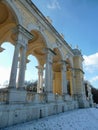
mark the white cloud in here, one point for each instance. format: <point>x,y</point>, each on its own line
<point>94,79</point>
<point>4,75</point>
<point>91,62</point>
<point>54,5</point>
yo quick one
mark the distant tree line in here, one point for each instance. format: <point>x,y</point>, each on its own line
<point>95,94</point>
<point>31,86</point>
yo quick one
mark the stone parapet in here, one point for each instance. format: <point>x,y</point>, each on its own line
<point>81,99</point>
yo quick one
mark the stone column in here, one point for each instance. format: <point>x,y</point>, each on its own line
<point>24,37</point>
<point>48,72</point>
<point>40,79</point>
<point>22,67</point>
<point>12,82</point>
<point>64,81</point>
<point>16,95</point>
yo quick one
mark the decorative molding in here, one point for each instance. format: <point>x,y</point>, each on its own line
<point>33,8</point>
<point>24,32</point>
<point>46,50</point>
<point>77,52</point>
<point>77,69</point>
<point>20,29</point>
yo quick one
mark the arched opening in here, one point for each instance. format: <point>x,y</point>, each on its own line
<point>8,22</point>
<point>31,70</point>
<point>36,47</point>
<point>6,61</point>
<point>31,75</point>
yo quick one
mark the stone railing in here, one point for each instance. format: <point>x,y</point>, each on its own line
<point>42,98</point>
<point>36,97</point>
<point>32,97</point>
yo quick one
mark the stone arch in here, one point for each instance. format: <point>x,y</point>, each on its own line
<point>37,47</point>
<point>15,10</point>
<point>61,53</point>
<point>31,27</point>
<point>9,19</point>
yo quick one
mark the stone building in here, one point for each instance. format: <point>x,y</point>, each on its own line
<point>25,27</point>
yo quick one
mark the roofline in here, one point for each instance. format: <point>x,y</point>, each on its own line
<point>47,22</point>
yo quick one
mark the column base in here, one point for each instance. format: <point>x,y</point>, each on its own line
<point>67,97</point>
<point>82,102</point>
<point>17,96</point>
<point>50,97</point>
<point>59,98</point>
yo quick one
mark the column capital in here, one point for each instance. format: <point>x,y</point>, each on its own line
<point>64,62</point>
<point>40,69</point>
<point>49,57</point>
<point>49,50</point>
<point>24,31</point>
<point>23,35</point>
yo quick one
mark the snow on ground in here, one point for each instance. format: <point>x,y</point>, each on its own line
<point>81,119</point>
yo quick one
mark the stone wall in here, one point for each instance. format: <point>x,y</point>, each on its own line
<point>14,113</point>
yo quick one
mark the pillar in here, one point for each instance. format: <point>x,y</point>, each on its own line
<point>71,82</point>
<point>64,81</point>
<point>49,72</point>
<point>12,82</point>
<point>22,40</point>
<point>40,79</point>
<point>25,37</point>
<point>16,95</point>
<point>22,67</point>
<point>79,93</point>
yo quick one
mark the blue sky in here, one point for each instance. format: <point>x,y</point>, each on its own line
<point>78,21</point>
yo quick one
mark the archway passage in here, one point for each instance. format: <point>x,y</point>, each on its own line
<point>8,23</point>
<point>37,47</point>
<point>5,66</point>
<point>58,73</point>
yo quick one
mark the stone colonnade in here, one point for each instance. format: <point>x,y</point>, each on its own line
<point>22,24</point>
<point>21,48</point>
<point>32,24</point>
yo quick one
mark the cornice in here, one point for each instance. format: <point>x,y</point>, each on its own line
<point>21,29</point>
<point>44,20</point>
<point>77,69</point>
